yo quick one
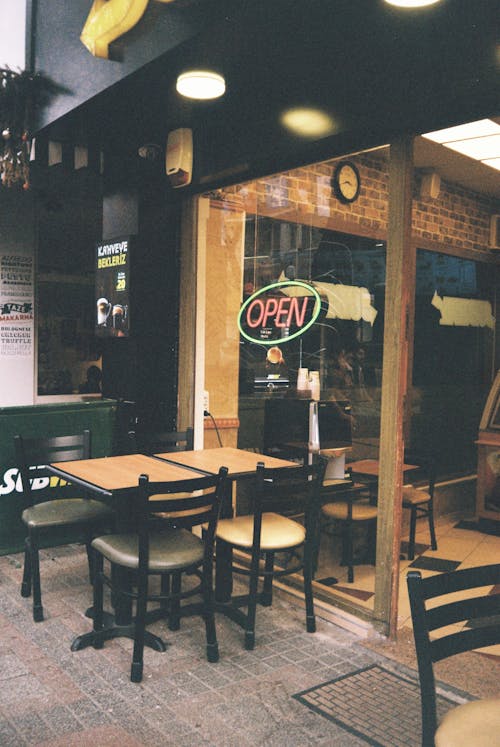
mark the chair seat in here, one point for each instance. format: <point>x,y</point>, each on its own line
<point>63,511</point>
<point>339,510</point>
<point>413,496</point>
<point>169,550</point>
<point>278,532</point>
<point>475,723</point>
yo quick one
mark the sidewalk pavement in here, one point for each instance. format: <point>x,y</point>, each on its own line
<point>294,689</point>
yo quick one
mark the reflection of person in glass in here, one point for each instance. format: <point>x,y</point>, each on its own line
<point>92,384</point>
<point>275,363</point>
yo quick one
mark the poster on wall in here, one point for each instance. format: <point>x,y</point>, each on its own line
<point>16,305</point>
<point>112,288</point>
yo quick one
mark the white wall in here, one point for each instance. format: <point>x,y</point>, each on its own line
<point>12,41</point>
<point>16,239</point>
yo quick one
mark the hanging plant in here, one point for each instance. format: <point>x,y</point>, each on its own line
<point>18,91</point>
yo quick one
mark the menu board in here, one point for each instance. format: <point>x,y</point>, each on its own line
<point>112,280</point>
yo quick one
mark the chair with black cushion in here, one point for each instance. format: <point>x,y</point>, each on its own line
<point>155,548</point>
<point>420,500</point>
<point>469,602</point>
<point>54,505</point>
<point>350,506</point>
<point>265,533</point>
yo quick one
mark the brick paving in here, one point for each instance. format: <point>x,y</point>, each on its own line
<point>52,696</point>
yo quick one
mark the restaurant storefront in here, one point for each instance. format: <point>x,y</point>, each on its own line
<point>388,258</point>
<point>265,245</point>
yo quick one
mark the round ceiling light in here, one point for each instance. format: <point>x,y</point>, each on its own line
<point>411,3</point>
<point>308,122</point>
<point>201,84</point>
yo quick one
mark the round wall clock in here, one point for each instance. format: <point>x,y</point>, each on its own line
<point>346,182</point>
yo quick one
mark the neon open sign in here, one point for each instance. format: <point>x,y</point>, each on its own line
<point>271,314</point>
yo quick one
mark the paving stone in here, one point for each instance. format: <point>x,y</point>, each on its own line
<point>52,697</point>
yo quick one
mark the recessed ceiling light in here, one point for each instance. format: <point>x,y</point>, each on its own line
<point>411,3</point>
<point>308,122</point>
<point>201,84</point>
<point>478,140</point>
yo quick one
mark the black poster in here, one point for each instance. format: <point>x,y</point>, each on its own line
<point>112,288</point>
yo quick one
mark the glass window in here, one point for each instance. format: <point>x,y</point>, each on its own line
<point>453,353</point>
<point>69,355</point>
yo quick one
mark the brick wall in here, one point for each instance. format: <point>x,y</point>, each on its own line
<point>457,218</point>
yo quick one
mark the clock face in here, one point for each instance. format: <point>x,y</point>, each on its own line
<point>346,182</point>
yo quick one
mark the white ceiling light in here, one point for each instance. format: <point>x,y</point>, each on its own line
<point>478,140</point>
<point>308,122</point>
<point>411,3</point>
<point>201,84</point>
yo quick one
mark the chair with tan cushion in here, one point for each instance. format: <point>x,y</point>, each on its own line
<point>464,618</point>
<point>350,506</point>
<point>54,506</point>
<point>266,533</point>
<point>420,500</point>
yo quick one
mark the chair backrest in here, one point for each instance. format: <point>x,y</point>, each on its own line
<point>477,612</point>
<point>34,454</point>
<point>275,486</point>
<point>157,442</point>
<point>426,464</point>
<point>198,498</point>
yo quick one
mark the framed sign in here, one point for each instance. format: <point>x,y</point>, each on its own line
<point>112,287</point>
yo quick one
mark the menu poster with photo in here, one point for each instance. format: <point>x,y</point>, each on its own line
<point>112,288</point>
<point>16,305</point>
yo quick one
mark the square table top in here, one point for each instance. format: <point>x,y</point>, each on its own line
<point>371,467</point>
<point>109,474</point>
<point>238,461</point>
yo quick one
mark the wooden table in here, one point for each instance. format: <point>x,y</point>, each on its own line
<point>370,467</point>
<point>111,476</point>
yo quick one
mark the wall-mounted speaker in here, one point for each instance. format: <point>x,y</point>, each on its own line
<point>495,232</point>
<point>179,157</point>
<point>430,185</point>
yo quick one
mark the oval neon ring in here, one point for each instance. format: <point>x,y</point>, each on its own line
<point>317,309</point>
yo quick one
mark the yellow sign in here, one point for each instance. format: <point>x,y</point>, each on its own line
<point>109,19</point>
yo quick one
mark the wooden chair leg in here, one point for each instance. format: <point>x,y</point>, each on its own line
<point>308,592</point>
<point>26,583</point>
<point>35,575</point>
<point>174,621</point>
<point>411,538</point>
<point>165,590</point>
<point>140,628</point>
<point>252,604</point>
<point>98,602</point>
<point>432,530</point>
<point>209,616</point>
<point>267,592</point>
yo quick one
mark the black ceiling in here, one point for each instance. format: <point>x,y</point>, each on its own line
<point>377,70</point>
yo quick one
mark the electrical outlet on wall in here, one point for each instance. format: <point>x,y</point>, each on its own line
<point>206,402</point>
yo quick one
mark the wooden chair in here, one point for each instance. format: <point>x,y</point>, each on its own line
<point>267,533</point>
<point>478,722</point>
<point>53,505</point>
<point>420,501</point>
<point>351,506</point>
<point>157,549</point>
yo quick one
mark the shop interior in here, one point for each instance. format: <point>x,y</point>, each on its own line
<point>293,227</point>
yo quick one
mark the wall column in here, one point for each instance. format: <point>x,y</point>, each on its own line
<point>399,310</point>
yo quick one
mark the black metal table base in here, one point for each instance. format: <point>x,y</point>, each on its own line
<point>117,631</point>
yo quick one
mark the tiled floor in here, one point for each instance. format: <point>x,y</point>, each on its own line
<point>52,697</point>
<point>458,547</point>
